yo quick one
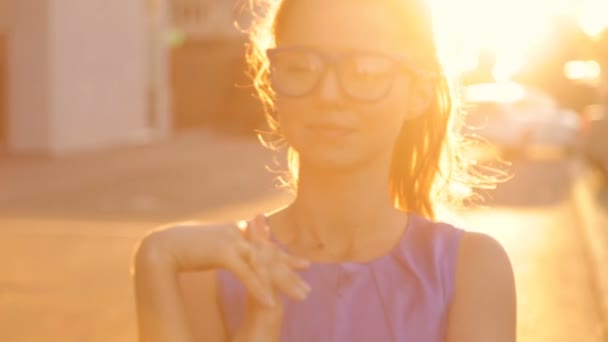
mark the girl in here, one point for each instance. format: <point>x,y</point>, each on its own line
<point>355,89</point>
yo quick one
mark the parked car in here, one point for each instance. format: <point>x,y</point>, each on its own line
<point>520,119</point>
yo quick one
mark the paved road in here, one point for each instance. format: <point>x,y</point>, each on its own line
<point>66,241</point>
<point>535,218</point>
<point>68,227</point>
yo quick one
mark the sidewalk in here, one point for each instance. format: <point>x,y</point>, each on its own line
<point>593,215</point>
<point>68,227</point>
<point>162,181</point>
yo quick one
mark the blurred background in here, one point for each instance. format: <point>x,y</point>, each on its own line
<point>118,116</point>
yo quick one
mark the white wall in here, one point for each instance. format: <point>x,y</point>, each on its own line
<point>28,102</point>
<point>98,73</point>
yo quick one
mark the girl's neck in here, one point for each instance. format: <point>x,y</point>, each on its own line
<point>343,213</point>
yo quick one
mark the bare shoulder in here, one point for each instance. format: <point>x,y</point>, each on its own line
<point>481,252</point>
<point>484,303</point>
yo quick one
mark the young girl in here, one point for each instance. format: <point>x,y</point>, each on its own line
<point>355,89</point>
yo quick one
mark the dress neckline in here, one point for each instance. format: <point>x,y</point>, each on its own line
<point>394,251</point>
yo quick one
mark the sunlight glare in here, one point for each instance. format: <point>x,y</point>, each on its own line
<point>582,70</point>
<point>594,17</point>
<point>508,28</point>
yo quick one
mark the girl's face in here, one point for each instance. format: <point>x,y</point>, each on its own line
<point>342,88</point>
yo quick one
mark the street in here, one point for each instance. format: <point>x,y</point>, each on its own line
<point>534,218</point>
<point>68,228</point>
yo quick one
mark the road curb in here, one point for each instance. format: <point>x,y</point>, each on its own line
<point>594,228</point>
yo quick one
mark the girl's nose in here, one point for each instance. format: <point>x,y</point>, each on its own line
<point>329,87</point>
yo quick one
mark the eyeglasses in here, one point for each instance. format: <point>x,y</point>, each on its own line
<point>362,76</point>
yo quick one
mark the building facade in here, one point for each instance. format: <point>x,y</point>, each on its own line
<point>75,74</point>
<point>81,75</point>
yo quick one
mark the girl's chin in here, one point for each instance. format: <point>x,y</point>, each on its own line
<point>335,156</point>
<point>332,161</point>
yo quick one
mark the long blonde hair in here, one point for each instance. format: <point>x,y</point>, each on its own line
<point>428,168</point>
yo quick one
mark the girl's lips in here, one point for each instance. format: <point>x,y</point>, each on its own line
<point>330,131</point>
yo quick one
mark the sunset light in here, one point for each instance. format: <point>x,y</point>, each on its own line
<point>507,28</point>
<point>582,70</point>
<point>594,17</point>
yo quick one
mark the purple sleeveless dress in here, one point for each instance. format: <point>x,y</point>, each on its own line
<point>402,296</point>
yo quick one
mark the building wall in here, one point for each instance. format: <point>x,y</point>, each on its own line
<point>6,13</point>
<point>206,18</point>
<point>28,127</point>
<point>160,101</point>
<point>98,73</point>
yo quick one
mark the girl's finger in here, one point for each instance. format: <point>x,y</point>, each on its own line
<point>260,265</point>
<point>260,236</point>
<point>276,274</point>
<point>274,266</point>
<point>289,282</point>
<point>257,229</point>
<point>248,267</point>
<point>256,286</point>
<point>293,261</point>
<point>283,276</point>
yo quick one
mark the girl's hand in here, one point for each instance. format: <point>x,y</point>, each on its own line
<point>263,269</point>
<point>275,269</point>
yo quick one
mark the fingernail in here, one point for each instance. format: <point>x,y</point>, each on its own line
<point>269,301</point>
<point>306,287</point>
<point>266,220</point>
<point>303,290</point>
<point>302,293</point>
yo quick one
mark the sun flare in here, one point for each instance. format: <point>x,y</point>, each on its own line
<point>508,28</point>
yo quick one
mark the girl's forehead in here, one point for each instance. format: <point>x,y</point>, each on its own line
<point>342,25</point>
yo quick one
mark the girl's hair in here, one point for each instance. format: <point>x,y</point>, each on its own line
<point>428,169</point>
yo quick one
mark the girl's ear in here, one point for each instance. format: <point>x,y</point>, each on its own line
<point>421,96</point>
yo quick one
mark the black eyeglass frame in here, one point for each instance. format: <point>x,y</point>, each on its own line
<point>331,62</point>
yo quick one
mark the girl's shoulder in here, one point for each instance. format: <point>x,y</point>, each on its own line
<point>430,239</point>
